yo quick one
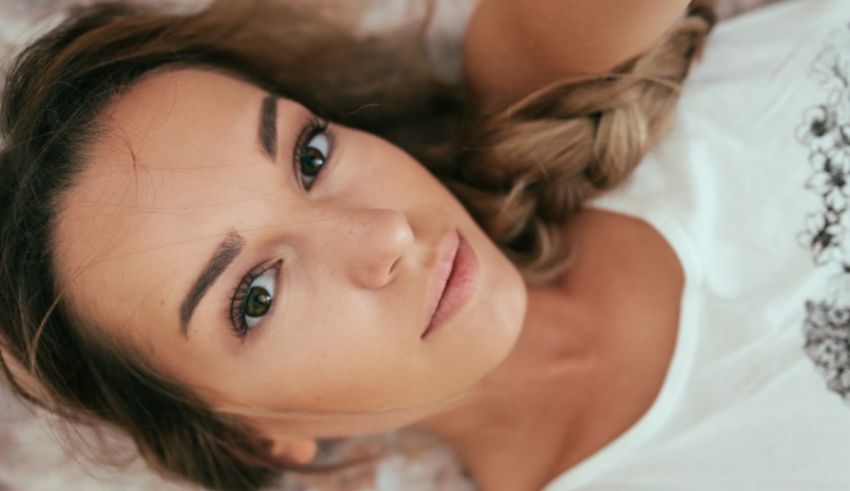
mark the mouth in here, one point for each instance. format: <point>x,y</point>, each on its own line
<point>457,279</point>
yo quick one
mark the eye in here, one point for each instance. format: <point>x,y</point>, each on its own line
<point>253,299</point>
<point>312,151</point>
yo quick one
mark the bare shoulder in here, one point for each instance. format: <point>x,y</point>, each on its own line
<point>627,272</point>
<point>610,245</point>
<point>628,280</point>
<point>512,48</point>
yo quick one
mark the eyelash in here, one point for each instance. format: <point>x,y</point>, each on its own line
<point>240,296</point>
<point>312,127</point>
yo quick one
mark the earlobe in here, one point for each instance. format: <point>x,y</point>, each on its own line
<point>18,375</point>
<point>292,450</point>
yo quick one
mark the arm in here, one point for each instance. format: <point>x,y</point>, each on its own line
<point>513,47</point>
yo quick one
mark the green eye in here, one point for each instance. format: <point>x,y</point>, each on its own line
<point>312,160</point>
<point>312,154</point>
<point>258,302</point>
<point>253,299</point>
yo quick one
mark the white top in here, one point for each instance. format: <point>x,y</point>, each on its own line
<point>750,187</point>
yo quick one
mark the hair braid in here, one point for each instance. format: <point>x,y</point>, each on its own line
<point>530,167</point>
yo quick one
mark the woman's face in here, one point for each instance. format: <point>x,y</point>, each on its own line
<point>271,283</point>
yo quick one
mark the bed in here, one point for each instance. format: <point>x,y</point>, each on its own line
<point>30,457</point>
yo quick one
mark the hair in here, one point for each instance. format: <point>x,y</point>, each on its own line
<point>521,173</point>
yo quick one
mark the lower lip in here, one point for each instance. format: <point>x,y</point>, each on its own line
<point>459,287</point>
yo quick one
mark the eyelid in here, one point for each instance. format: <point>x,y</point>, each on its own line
<point>235,314</point>
<point>310,126</point>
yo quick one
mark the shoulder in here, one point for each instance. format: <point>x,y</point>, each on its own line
<point>512,48</point>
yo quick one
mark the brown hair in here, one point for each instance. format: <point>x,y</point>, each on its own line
<point>520,173</point>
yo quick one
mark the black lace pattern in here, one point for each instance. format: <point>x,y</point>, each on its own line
<point>825,131</point>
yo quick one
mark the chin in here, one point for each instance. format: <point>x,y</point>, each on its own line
<point>506,301</point>
<point>497,321</point>
<point>509,315</point>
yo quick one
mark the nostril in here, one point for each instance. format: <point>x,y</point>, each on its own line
<point>395,263</point>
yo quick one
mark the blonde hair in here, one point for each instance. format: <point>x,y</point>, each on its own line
<point>527,169</point>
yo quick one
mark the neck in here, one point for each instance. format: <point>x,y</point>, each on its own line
<point>511,433</point>
<point>591,358</point>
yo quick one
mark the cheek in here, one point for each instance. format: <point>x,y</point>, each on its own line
<point>341,348</point>
<point>385,164</point>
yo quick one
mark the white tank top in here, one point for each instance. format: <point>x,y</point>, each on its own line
<point>751,187</point>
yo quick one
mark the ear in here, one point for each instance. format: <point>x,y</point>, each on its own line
<point>21,376</point>
<point>290,450</point>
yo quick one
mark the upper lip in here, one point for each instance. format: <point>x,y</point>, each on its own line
<point>440,273</point>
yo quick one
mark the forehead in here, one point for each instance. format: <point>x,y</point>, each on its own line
<point>144,206</point>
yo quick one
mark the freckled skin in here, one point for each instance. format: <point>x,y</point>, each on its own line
<point>181,166</point>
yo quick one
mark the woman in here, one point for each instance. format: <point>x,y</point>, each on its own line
<point>206,244</point>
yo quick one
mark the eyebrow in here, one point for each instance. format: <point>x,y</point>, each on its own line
<point>224,254</point>
<point>267,129</point>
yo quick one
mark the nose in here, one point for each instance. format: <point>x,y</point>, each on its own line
<point>369,244</point>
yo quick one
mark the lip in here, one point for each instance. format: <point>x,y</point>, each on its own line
<point>454,281</point>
